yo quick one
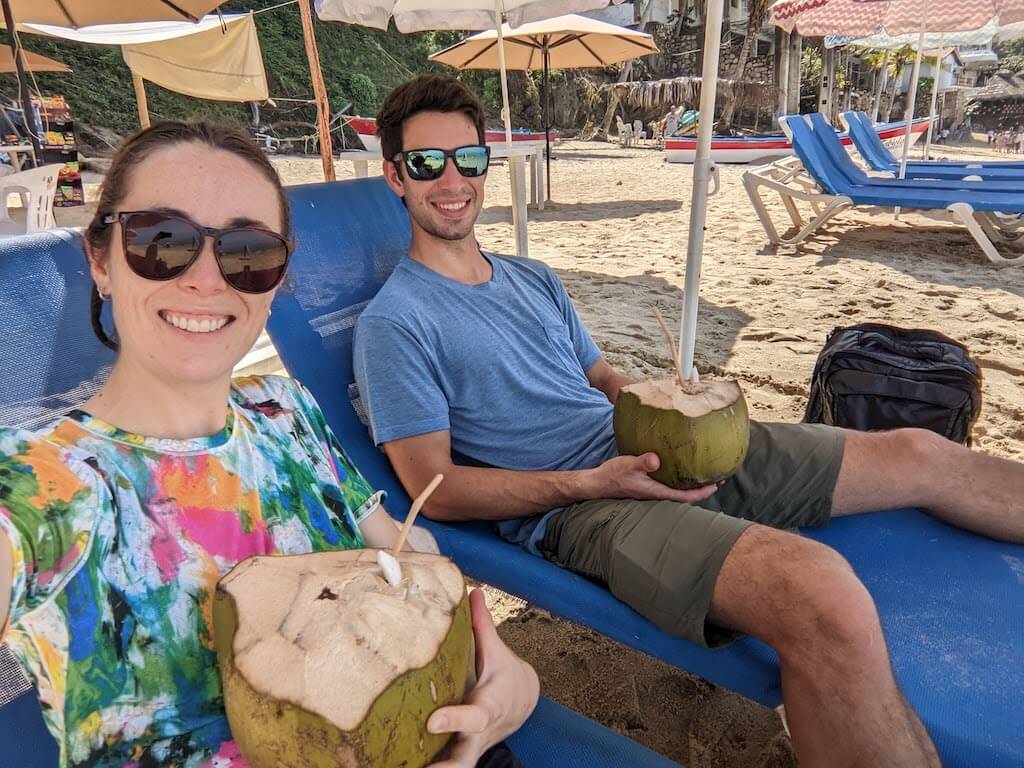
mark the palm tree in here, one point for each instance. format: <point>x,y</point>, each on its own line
<point>879,64</point>
<point>757,15</point>
<point>897,63</point>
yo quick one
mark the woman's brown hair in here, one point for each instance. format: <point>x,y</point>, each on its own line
<point>134,151</point>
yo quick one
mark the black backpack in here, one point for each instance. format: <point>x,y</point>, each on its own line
<point>875,376</point>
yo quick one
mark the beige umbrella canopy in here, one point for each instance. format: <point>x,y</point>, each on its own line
<point>85,13</point>
<point>564,42</point>
<point>81,13</point>
<point>32,61</point>
<point>571,42</point>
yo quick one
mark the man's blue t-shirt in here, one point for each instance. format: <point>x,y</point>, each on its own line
<point>500,365</point>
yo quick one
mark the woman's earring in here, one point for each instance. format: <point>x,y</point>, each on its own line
<point>103,296</point>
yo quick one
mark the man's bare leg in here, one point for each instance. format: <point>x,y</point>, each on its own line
<point>843,706</point>
<point>918,468</point>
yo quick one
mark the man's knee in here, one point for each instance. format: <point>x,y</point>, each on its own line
<point>799,596</point>
<point>923,446</point>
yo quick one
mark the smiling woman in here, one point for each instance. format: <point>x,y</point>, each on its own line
<point>123,515</point>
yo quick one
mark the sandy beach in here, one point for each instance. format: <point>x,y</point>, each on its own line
<point>616,234</point>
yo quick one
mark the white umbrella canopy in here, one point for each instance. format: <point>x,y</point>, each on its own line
<point>571,42</point>
<point>421,15</point>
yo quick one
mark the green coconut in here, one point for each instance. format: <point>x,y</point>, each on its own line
<point>324,664</point>
<point>700,437</point>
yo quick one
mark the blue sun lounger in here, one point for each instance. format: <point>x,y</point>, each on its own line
<point>985,213</point>
<point>879,158</point>
<point>50,363</point>
<point>825,136</point>
<point>952,603</point>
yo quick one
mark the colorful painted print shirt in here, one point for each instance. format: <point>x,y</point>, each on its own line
<point>118,543</point>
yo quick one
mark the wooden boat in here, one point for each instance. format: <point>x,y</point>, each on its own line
<point>366,128</point>
<point>768,146</point>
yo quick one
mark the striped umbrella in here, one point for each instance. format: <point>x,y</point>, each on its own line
<point>819,18</point>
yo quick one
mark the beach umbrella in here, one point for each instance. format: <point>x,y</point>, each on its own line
<point>984,36</point>
<point>563,42</point>
<point>422,15</point>
<point>80,13</point>
<point>820,18</point>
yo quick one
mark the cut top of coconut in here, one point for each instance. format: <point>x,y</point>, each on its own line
<point>328,633</point>
<point>710,395</point>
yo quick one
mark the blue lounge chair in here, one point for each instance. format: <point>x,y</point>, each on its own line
<point>825,136</point>
<point>50,363</point>
<point>879,158</point>
<point>950,602</point>
<point>981,211</point>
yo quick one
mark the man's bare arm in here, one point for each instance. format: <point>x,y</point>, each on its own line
<point>475,493</point>
<point>605,378</point>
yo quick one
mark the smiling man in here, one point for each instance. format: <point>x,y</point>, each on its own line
<point>477,365</point>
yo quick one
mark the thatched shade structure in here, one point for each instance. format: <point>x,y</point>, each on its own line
<point>1000,103</point>
<point>686,91</point>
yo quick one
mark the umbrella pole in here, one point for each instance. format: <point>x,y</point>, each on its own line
<point>912,96</point>
<point>547,122</point>
<point>701,174</point>
<point>323,107</point>
<point>140,99</point>
<point>506,116</point>
<point>935,94</point>
<point>23,92</point>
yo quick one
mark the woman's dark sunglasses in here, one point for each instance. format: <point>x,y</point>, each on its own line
<point>428,164</point>
<point>161,246</point>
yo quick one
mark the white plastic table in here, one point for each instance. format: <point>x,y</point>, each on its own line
<point>15,151</point>
<point>519,154</point>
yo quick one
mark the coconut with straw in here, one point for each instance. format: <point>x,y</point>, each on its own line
<point>698,427</point>
<point>339,658</point>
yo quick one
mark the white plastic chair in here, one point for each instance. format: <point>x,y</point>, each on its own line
<point>638,130</point>
<point>625,131</point>
<point>37,188</point>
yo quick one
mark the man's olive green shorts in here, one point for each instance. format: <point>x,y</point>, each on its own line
<point>663,557</point>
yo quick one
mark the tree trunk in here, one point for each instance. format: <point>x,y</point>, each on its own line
<point>613,101</point>
<point>627,71</point>
<point>754,23</point>
<point>893,82</point>
<point>881,79</point>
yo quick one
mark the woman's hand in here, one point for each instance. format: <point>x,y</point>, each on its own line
<point>505,694</point>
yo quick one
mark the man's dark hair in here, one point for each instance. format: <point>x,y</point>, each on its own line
<point>427,93</point>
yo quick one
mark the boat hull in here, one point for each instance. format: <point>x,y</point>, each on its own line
<point>749,149</point>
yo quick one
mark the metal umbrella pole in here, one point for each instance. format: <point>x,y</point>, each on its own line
<point>506,116</point>
<point>912,96</point>
<point>702,168</point>
<point>935,94</point>
<point>23,92</point>
<point>547,121</point>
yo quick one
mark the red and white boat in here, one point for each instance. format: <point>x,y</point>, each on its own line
<point>366,128</point>
<point>768,146</point>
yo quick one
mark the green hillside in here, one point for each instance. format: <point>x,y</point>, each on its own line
<point>360,65</point>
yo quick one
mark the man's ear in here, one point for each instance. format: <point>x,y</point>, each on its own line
<point>394,178</point>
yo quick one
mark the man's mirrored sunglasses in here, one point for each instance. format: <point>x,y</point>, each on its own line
<point>428,164</point>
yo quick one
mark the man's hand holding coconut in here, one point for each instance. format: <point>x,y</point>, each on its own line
<point>503,390</point>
